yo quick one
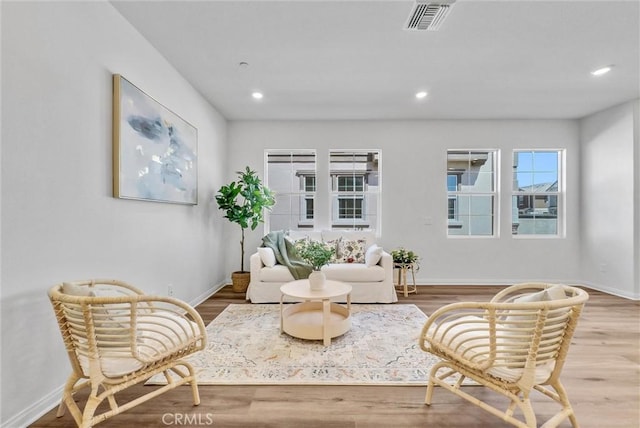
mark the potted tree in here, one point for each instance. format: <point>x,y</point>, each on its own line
<point>243,202</point>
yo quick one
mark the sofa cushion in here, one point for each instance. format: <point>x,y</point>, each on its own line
<point>278,273</point>
<point>335,244</point>
<point>351,251</point>
<point>353,272</point>
<point>267,256</point>
<point>296,235</point>
<point>373,255</point>
<point>349,235</point>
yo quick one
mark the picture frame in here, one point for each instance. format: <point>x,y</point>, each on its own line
<point>155,151</point>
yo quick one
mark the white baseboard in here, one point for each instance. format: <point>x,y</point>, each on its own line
<point>45,404</point>
<point>598,287</point>
<point>609,290</point>
<point>36,410</point>
<point>204,296</point>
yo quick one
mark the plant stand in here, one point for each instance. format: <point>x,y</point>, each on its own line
<point>402,284</point>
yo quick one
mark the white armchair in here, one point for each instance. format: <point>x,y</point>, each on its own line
<point>513,344</point>
<point>117,337</point>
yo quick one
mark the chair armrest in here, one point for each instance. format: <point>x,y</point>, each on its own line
<point>164,326</point>
<point>464,331</point>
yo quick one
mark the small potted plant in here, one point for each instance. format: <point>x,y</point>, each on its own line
<point>243,202</point>
<point>317,254</point>
<point>402,256</point>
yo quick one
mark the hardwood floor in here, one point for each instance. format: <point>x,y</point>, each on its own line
<point>601,375</point>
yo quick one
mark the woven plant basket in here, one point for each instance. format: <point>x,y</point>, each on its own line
<point>240,281</point>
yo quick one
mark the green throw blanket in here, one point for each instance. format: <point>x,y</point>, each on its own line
<point>286,254</point>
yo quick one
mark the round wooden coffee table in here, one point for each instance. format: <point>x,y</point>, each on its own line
<point>317,318</point>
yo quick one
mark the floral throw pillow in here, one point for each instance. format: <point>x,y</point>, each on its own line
<point>335,244</point>
<point>351,251</point>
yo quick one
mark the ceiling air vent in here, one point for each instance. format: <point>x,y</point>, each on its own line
<point>428,15</point>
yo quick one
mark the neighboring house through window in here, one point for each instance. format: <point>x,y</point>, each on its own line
<point>291,174</point>
<point>537,189</point>
<point>353,183</point>
<point>355,188</point>
<point>471,192</point>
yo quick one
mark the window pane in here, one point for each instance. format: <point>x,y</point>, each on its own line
<point>534,169</point>
<point>309,208</point>
<point>350,208</point>
<point>532,221</point>
<point>350,183</point>
<point>523,160</point>
<point>309,183</point>
<point>453,208</point>
<point>452,182</point>
<point>545,161</point>
<point>522,180</point>
<point>544,180</point>
<point>472,215</point>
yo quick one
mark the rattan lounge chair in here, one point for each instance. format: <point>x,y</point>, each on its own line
<point>514,344</point>
<point>117,337</point>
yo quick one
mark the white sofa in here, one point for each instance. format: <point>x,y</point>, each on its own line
<point>371,282</point>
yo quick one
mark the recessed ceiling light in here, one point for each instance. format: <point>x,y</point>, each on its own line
<point>601,71</point>
<point>420,95</point>
<point>257,95</point>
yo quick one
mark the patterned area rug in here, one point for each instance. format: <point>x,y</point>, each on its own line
<point>246,348</point>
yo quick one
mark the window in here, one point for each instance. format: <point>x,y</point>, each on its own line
<point>350,189</point>
<point>292,176</point>
<point>536,192</point>
<point>452,186</point>
<point>355,189</point>
<point>309,183</point>
<point>471,192</point>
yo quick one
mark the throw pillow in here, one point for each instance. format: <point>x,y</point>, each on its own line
<point>351,251</point>
<point>368,236</point>
<point>335,244</point>
<point>554,292</point>
<point>373,255</point>
<point>267,256</point>
<point>519,324</point>
<point>296,235</point>
<point>76,290</point>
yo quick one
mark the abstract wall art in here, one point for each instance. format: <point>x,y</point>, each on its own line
<point>155,152</point>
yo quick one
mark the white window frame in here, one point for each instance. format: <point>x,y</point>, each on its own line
<point>465,192</point>
<point>309,195</point>
<point>559,194</point>
<point>366,194</point>
<point>296,190</point>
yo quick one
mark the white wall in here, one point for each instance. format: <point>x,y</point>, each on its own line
<point>414,160</point>
<point>609,200</point>
<point>59,220</point>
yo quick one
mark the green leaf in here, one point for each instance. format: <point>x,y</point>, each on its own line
<point>244,201</point>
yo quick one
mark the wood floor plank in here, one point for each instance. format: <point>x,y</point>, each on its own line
<point>602,377</point>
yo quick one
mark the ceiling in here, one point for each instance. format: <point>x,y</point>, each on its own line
<point>337,60</point>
